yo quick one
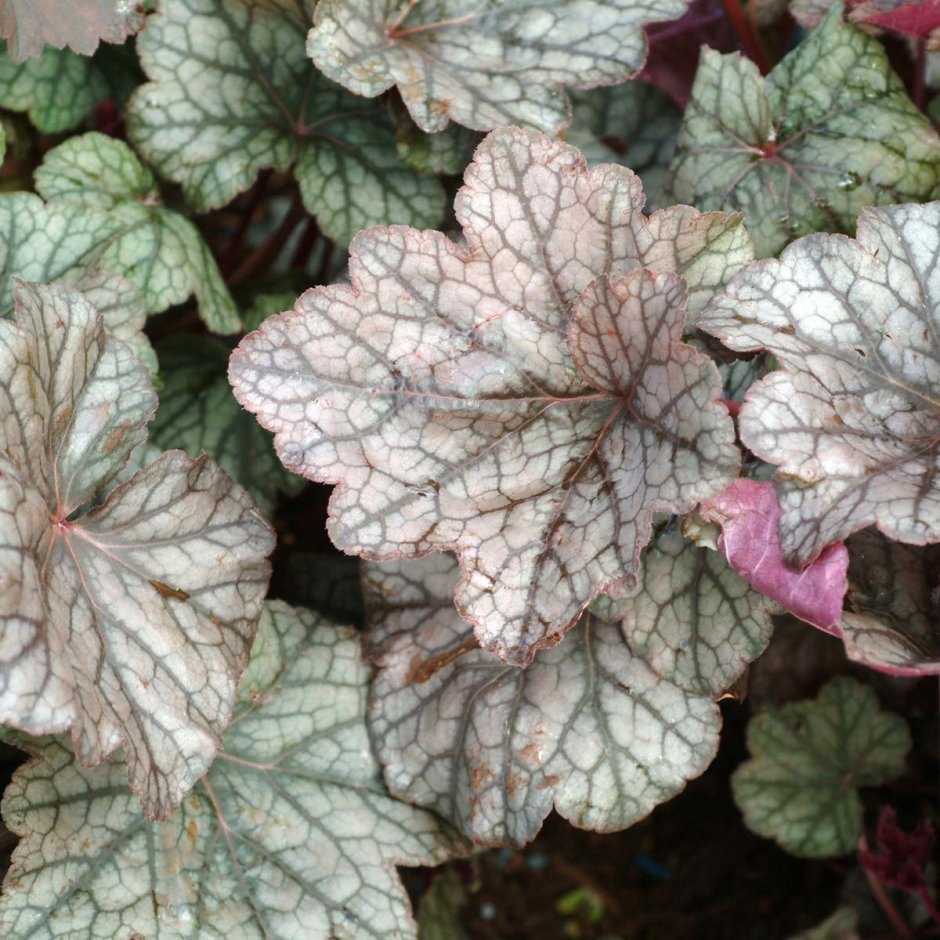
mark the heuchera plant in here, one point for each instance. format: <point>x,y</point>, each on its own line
<point>611,365</point>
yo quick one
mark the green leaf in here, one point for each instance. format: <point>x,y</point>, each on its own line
<point>291,834</point>
<point>829,131</point>
<point>448,151</point>
<point>59,88</point>
<point>199,414</point>
<point>809,759</point>
<point>47,243</point>
<point>633,124</point>
<point>232,91</point>
<point>157,248</point>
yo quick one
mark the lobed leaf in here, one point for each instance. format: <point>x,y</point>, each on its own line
<point>129,623</point>
<point>605,726</point>
<point>829,131</point>
<point>504,400</point>
<point>486,64</point>
<point>852,417</point>
<point>28,25</point>
<point>232,92</point>
<point>800,786</point>
<point>588,727</point>
<point>159,249</point>
<point>290,834</point>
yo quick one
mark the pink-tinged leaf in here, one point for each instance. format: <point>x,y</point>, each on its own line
<point>130,623</point>
<point>892,617</point>
<point>911,19</point>
<point>509,401</point>
<point>28,25</point>
<point>851,418</point>
<point>749,515</point>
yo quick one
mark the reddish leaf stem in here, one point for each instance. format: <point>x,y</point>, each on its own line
<point>269,249</point>
<point>900,926</point>
<point>748,41</point>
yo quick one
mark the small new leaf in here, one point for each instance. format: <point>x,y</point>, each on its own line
<point>852,417</point>
<point>829,131</point>
<point>129,623</point>
<point>485,64</point>
<point>157,248</point>
<point>588,727</point>
<point>800,786</point>
<point>232,92</point>
<point>504,400</point>
<point>290,834</point>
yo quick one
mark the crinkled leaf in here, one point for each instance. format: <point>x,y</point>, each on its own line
<point>892,617</point>
<point>589,727</point>
<point>829,131</point>
<point>809,758</point>
<point>157,248</point>
<point>485,64</point>
<point>291,833</point>
<point>131,623</point>
<point>503,400</point>
<point>634,124</point>
<point>852,417</point>
<point>749,515</point>
<point>232,91</point>
<point>28,25</point>
<point>59,88</point>
<point>198,414</point>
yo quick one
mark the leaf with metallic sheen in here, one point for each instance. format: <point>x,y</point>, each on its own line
<point>291,834</point>
<point>129,623</point>
<point>604,726</point>
<point>829,131</point>
<point>198,414</point>
<point>28,25</point>
<point>484,64</point>
<point>509,400</point>
<point>588,727</point>
<point>158,248</point>
<point>232,92</point>
<point>808,760</point>
<point>851,418</point>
